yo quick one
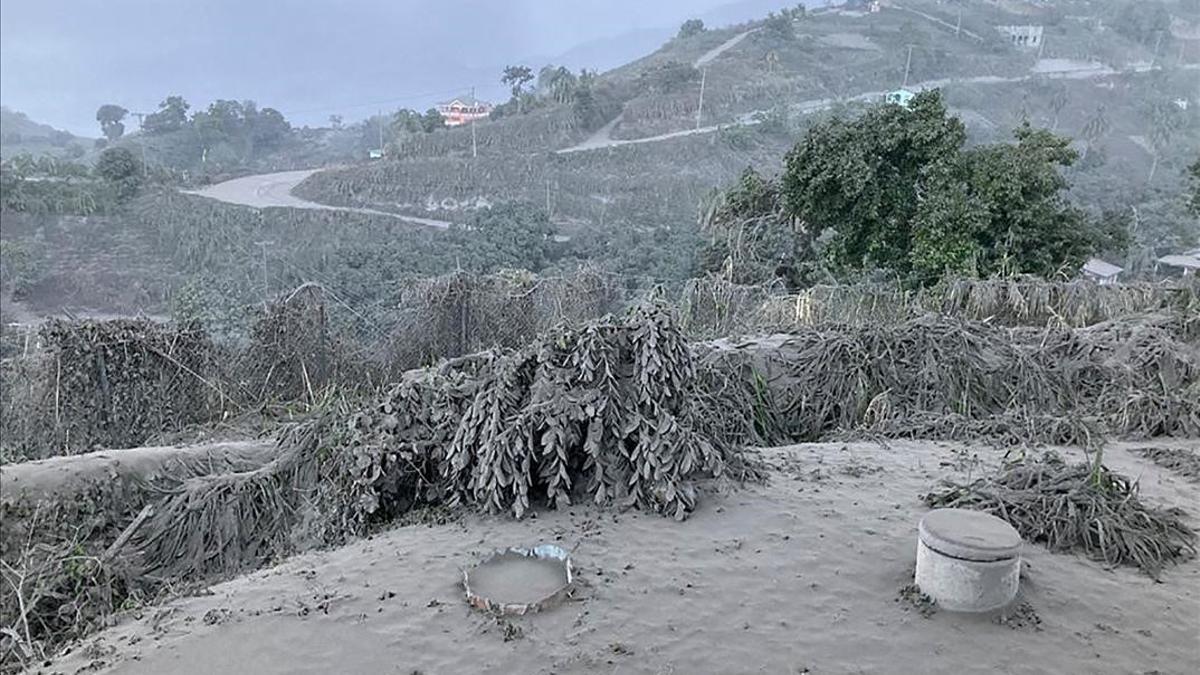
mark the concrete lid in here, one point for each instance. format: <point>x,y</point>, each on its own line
<point>969,535</point>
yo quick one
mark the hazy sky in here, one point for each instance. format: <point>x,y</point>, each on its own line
<point>61,59</point>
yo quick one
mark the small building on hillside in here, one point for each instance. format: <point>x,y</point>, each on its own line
<point>462,110</point>
<point>899,97</point>
<point>1023,36</point>
<point>1187,263</point>
<point>1103,273</point>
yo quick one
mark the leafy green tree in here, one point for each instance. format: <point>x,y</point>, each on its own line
<point>860,178</point>
<point>690,28</point>
<point>172,116</point>
<point>895,190</point>
<point>110,117</point>
<point>121,170</point>
<point>1001,209</point>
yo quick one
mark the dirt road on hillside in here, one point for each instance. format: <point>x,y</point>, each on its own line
<point>602,138</point>
<point>1048,68</point>
<point>274,190</point>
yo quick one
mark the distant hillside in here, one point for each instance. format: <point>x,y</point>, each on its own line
<point>20,135</point>
<point>637,187</point>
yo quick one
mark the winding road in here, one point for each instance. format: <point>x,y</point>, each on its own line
<point>602,138</point>
<point>274,190</point>
<point>1062,69</point>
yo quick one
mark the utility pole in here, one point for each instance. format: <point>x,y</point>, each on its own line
<point>907,63</point>
<point>958,26</point>
<point>142,140</point>
<point>381,134</point>
<point>264,245</point>
<point>700,107</point>
<point>1157,44</point>
<point>1042,46</point>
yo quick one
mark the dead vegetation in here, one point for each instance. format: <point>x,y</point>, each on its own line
<point>1182,461</point>
<point>1078,507</point>
<point>939,377</point>
<point>568,407</point>
<point>69,561</point>
<point>1022,301</point>
<point>609,413</point>
<point>107,384</point>
<point>460,313</point>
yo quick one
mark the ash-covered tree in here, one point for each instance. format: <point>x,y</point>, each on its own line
<point>172,116</point>
<point>432,120</point>
<point>120,169</point>
<point>690,28</point>
<point>750,238</point>
<point>667,78</point>
<point>507,236</point>
<point>110,116</point>
<point>1164,121</point>
<point>585,109</point>
<point>557,83</point>
<point>516,77</point>
<point>782,26</point>
<point>265,129</point>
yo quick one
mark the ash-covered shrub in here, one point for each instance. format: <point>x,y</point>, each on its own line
<point>109,384</point>
<point>611,412</point>
<point>292,354</point>
<point>1078,507</point>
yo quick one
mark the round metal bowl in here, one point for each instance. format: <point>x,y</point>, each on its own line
<point>520,580</point>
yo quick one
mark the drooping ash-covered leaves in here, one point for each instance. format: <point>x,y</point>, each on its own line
<point>610,412</point>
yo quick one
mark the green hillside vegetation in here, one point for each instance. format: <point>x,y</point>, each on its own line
<point>896,191</point>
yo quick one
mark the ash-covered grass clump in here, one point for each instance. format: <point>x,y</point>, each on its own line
<point>1182,461</point>
<point>1077,507</point>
